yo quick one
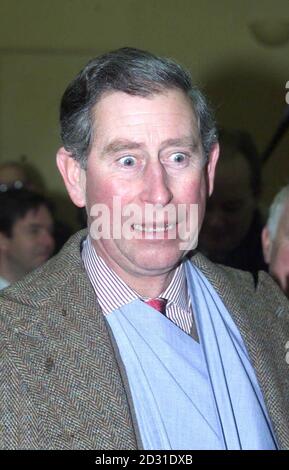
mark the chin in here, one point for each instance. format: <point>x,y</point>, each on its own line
<point>158,260</point>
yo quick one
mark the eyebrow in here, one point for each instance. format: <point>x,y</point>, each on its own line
<point>119,145</point>
<point>181,142</point>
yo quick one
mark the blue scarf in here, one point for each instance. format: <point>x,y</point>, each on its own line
<point>190,395</point>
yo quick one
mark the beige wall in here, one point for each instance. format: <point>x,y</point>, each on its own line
<point>43,45</point>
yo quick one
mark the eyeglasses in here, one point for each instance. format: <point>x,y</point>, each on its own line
<point>4,187</point>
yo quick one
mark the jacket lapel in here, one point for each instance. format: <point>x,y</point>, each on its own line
<point>106,396</point>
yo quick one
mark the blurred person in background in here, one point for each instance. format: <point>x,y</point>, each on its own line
<point>24,175</point>
<point>26,234</point>
<point>231,233</point>
<point>275,239</point>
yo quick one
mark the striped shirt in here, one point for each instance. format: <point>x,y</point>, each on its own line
<point>112,292</point>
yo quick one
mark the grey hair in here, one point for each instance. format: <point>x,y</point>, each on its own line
<point>132,71</point>
<point>276,210</point>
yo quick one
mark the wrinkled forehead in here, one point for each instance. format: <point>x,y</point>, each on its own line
<point>166,114</point>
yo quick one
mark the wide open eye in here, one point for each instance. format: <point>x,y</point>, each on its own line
<point>178,160</point>
<point>178,157</point>
<point>127,161</point>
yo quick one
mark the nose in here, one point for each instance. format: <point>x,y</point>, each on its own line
<point>156,188</point>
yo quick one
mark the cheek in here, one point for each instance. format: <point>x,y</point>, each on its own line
<point>282,259</point>
<point>110,192</point>
<point>99,190</point>
<point>22,247</point>
<point>194,193</point>
<point>280,263</point>
<point>191,190</point>
<point>198,195</point>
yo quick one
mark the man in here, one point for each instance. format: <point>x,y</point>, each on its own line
<point>26,234</point>
<point>95,365</point>
<point>275,239</point>
<point>231,233</point>
<point>22,175</point>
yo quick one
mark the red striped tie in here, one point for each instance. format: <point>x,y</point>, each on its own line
<point>158,304</point>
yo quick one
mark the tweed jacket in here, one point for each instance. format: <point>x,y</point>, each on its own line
<point>62,385</point>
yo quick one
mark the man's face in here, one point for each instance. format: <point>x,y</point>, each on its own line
<point>146,151</point>
<point>31,242</point>
<point>231,208</point>
<point>278,258</point>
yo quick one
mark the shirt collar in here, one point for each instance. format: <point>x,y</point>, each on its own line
<point>112,292</point>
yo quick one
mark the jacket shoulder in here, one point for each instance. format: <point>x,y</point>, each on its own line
<point>241,287</point>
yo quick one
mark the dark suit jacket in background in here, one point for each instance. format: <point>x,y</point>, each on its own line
<point>62,385</point>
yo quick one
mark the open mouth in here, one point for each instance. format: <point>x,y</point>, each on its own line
<point>153,229</point>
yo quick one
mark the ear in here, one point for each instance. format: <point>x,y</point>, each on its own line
<point>211,167</point>
<point>266,245</point>
<point>73,175</point>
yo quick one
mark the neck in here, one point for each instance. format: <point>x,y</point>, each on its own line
<point>147,286</point>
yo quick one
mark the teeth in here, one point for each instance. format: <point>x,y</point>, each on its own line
<point>140,228</point>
